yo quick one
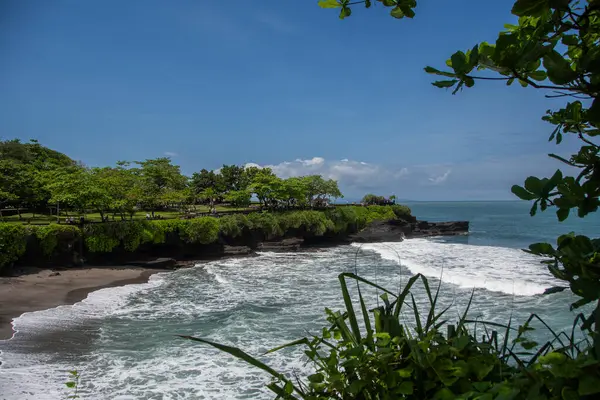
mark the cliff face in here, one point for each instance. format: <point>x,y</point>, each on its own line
<point>397,230</point>
<point>163,255</point>
<point>294,240</point>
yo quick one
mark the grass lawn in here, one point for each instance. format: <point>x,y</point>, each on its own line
<point>42,219</point>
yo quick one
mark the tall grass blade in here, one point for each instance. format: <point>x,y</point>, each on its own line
<point>403,294</point>
<point>464,316</point>
<point>304,341</point>
<point>350,275</point>
<point>541,351</point>
<point>349,307</point>
<point>365,313</point>
<point>506,336</point>
<point>417,317</point>
<point>432,322</point>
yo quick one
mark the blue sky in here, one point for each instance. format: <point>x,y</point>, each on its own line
<point>279,83</point>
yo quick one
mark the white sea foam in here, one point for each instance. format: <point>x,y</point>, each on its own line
<point>497,269</point>
<point>123,339</point>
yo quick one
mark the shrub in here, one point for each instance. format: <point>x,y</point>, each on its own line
<point>13,242</point>
<point>232,225</point>
<point>106,237</point>
<point>204,230</point>
<point>265,222</point>
<point>401,211</point>
<point>51,235</point>
<point>372,199</point>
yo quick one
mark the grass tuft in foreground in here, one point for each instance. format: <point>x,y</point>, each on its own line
<point>376,354</point>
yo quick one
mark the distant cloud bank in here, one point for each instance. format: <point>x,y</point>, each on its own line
<point>488,179</point>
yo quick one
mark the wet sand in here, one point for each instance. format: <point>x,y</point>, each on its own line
<point>37,290</point>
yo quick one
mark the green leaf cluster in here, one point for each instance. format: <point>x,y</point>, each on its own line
<point>402,350</point>
<point>399,8</point>
<point>13,243</point>
<point>130,234</point>
<point>50,236</point>
<point>554,47</point>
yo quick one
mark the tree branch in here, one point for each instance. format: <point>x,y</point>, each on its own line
<point>586,140</point>
<point>553,96</point>
<point>535,85</point>
<point>484,78</point>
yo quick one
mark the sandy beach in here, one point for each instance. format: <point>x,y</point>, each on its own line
<point>41,289</point>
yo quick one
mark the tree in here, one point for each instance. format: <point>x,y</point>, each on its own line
<point>208,195</point>
<point>205,179</point>
<point>78,188</point>
<point>233,177</point>
<point>14,183</point>
<point>123,186</point>
<point>250,173</point>
<point>267,187</point>
<point>294,191</point>
<point>332,190</point>
<point>554,48</point>
<point>239,198</point>
<point>161,181</point>
<point>22,166</point>
<point>372,199</point>
<point>318,190</point>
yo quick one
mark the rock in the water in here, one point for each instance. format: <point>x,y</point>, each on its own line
<point>398,230</point>
<point>54,274</point>
<point>290,244</point>
<point>159,263</point>
<point>555,289</point>
<point>236,250</point>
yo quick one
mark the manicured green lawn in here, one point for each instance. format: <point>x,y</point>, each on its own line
<point>38,219</point>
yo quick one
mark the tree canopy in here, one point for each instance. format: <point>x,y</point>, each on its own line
<point>36,177</point>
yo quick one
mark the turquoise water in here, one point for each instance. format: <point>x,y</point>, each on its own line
<point>122,339</point>
<point>506,223</point>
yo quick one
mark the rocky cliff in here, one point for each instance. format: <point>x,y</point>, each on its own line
<point>163,255</point>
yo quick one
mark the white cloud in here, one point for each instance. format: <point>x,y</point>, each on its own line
<point>354,177</point>
<point>312,161</point>
<point>251,165</point>
<point>170,154</point>
<point>436,180</point>
<point>484,179</point>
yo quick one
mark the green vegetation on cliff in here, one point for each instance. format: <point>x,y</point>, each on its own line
<point>129,235</point>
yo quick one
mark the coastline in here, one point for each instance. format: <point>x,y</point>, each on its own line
<point>39,289</point>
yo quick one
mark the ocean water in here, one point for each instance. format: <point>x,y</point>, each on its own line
<point>123,340</point>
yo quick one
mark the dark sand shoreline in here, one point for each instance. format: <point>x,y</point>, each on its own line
<point>38,290</point>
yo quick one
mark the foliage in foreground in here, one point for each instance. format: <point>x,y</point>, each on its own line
<point>106,237</point>
<point>427,358</point>
<point>555,46</point>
